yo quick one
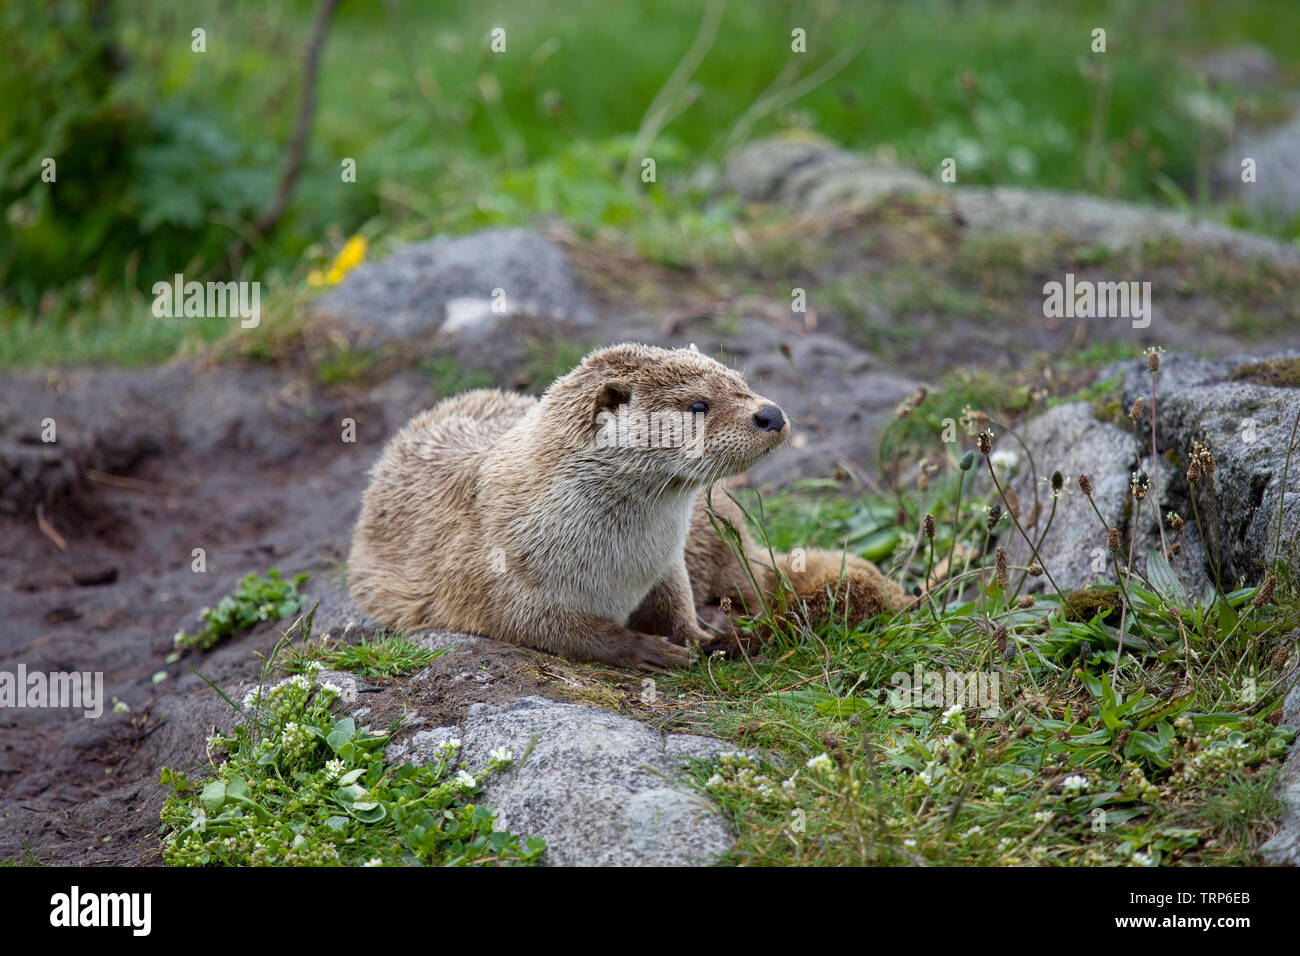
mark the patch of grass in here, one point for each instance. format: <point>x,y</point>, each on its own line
<point>549,358</point>
<point>1071,771</point>
<point>301,787</point>
<point>385,656</point>
<point>81,327</point>
<point>255,600</point>
<point>450,377</point>
<point>1279,373</point>
<point>27,859</point>
<point>345,366</point>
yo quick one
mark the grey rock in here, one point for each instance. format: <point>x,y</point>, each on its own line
<point>1246,66</point>
<point>446,285</point>
<point>1088,219</point>
<point>423,747</point>
<point>1069,438</point>
<point>1276,152</point>
<point>817,175</point>
<point>1247,427</point>
<point>599,788</point>
<point>1283,848</point>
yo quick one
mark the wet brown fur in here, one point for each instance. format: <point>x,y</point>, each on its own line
<point>499,514</point>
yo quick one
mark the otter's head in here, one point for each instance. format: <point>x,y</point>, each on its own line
<point>667,413</point>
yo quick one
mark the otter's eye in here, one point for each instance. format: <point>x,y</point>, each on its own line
<point>699,408</point>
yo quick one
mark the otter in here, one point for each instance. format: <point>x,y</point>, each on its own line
<point>574,523</point>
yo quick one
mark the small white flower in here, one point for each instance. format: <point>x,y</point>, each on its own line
<point>1075,782</point>
<point>373,861</point>
<point>314,667</point>
<point>1043,816</point>
<point>451,743</point>
<point>1005,461</point>
<point>335,768</point>
<point>466,779</point>
<point>1142,859</point>
<point>951,712</point>
<point>331,688</point>
<point>909,842</point>
<point>714,781</point>
<point>501,755</point>
<point>821,763</point>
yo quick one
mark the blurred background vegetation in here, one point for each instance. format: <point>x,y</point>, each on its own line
<point>166,156</point>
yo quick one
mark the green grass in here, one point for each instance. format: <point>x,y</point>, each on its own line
<point>385,656</point>
<point>27,859</point>
<point>298,786</point>
<point>450,377</point>
<point>255,600</point>
<point>1179,761</point>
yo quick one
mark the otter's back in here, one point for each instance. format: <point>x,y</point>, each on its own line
<point>419,494</point>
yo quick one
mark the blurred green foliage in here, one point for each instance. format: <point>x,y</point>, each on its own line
<point>164,155</point>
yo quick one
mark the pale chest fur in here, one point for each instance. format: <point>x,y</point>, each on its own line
<point>601,554</point>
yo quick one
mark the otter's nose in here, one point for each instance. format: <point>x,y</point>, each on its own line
<point>769,418</point>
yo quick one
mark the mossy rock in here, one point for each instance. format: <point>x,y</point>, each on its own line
<point>1277,373</point>
<point>1086,603</point>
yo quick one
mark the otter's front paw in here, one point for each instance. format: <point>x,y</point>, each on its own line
<point>658,654</point>
<point>646,652</point>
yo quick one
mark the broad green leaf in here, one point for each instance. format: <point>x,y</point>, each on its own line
<point>213,796</point>
<point>237,787</point>
<point>1166,579</point>
<point>343,732</point>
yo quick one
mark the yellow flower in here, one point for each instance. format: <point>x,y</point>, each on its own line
<point>350,256</point>
<point>354,250</point>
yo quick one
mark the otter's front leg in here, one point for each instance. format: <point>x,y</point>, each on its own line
<point>586,637</point>
<point>669,609</point>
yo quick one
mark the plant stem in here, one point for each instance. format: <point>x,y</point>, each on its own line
<point>1155,470</point>
<point>997,484</point>
<point>1281,498</point>
<point>956,517</point>
<point>1123,614</point>
<point>1041,538</point>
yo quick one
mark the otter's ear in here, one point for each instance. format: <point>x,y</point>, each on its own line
<point>611,395</point>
